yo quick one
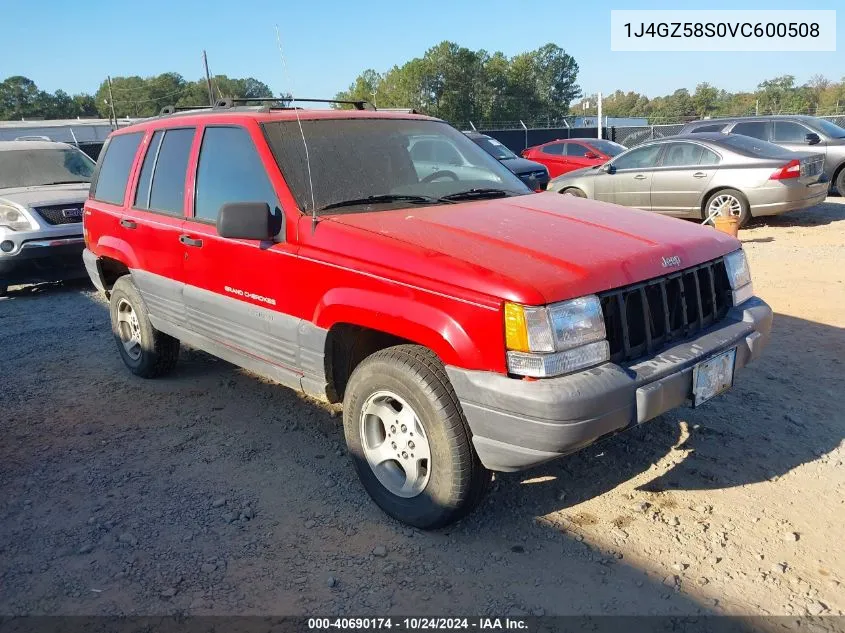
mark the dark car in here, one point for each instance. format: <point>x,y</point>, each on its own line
<point>798,133</point>
<point>532,174</point>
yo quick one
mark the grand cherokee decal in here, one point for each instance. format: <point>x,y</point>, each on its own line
<point>249,295</point>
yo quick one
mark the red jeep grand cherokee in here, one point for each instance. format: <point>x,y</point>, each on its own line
<point>466,323</point>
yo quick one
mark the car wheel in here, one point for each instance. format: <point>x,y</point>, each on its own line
<point>408,438</point>
<point>147,352</point>
<point>574,191</point>
<point>728,202</point>
<point>840,182</point>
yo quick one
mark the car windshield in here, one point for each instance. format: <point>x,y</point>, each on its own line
<point>608,148</point>
<point>494,148</point>
<point>827,128</point>
<point>358,164</point>
<point>38,167</point>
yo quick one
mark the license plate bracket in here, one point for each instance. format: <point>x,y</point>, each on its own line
<point>713,376</point>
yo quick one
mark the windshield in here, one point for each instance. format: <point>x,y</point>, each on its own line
<point>359,159</point>
<point>36,167</point>
<point>493,147</point>
<point>827,128</point>
<point>608,148</point>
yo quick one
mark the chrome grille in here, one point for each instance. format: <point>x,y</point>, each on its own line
<point>61,213</point>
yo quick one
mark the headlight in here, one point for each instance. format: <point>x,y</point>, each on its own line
<point>14,218</point>
<point>739,276</point>
<point>557,339</point>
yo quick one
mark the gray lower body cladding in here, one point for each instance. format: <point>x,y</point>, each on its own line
<point>517,424</point>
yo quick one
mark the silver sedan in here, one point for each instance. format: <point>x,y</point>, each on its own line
<point>703,175</point>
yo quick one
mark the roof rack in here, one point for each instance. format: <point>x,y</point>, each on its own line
<point>230,103</point>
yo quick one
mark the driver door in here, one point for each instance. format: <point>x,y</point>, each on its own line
<point>633,175</point>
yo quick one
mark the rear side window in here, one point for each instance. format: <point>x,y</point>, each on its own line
<point>230,170</point>
<point>554,150</point>
<point>754,129</point>
<point>161,186</point>
<point>682,155</point>
<point>575,149</point>
<point>713,127</point>
<point>119,154</point>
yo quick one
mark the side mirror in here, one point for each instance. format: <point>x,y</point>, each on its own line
<point>591,155</point>
<point>246,221</point>
<point>609,168</point>
<point>812,139</point>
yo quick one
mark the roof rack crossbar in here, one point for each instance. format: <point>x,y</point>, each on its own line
<point>358,105</point>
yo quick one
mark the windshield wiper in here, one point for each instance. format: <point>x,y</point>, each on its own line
<point>67,182</point>
<point>383,198</point>
<point>470,194</point>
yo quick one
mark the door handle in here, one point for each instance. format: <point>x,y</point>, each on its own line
<point>699,174</point>
<point>128,224</point>
<point>639,177</point>
<point>187,240</point>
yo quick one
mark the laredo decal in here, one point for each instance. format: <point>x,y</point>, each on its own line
<point>249,295</point>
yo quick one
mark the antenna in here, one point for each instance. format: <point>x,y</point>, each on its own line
<point>301,132</point>
<point>208,79</point>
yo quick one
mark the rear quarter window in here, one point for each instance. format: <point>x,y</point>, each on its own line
<point>115,165</point>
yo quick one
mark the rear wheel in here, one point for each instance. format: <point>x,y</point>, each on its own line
<point>145,351</point>
<point>408,438</point>
<point>574,191</point>
<point>728,202</point>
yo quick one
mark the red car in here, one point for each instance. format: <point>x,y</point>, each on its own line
<point>466,323</point>
<point>563,156</point>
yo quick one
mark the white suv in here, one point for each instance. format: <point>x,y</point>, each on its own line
<point>43,186</point>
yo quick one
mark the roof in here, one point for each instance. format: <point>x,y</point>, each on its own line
<point>6,146</point>
<point>263,115</point>
<point>764,117</point>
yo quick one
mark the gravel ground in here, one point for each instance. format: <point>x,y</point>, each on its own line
<point>215,492</point>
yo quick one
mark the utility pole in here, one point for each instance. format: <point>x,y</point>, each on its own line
<point>598,117</point>
<point>111,103</point>
<point>207,79</point>
<point>757,108</point>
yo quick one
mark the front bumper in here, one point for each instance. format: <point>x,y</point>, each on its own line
<point>41,260</point>
<point>517,424</point>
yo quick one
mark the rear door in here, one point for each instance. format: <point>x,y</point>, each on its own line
<point>239,293</point>
<point>633,175</point>
<point>553,157</point>
<point>155,219</point>
<point>576,156</point>
<point>680,181</point>
<point>755,129</point>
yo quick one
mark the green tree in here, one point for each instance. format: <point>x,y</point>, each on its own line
<point>705,99</point>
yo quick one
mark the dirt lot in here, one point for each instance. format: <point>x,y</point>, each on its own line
<point>213,491</point>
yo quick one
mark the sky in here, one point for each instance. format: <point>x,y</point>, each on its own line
<point>73,45</point>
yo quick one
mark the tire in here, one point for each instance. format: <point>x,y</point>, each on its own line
<point>733,201</point>
<point>839,183</point>
<point>147,352</point>
<point>4,290</point>
<point>410,382</point>
<point>574,191</point>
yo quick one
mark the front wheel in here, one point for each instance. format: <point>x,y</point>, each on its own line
<point>408,438</point>
<point>574,191</point>
<point>728,202</point>
<point>840,183</point>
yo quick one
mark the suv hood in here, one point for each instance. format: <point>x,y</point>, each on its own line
<point>48,194</point>
<point>540,248</point>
